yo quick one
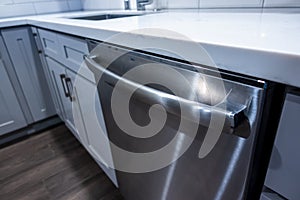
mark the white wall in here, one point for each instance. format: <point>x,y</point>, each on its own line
<point>228,3</point>
<point>13,8</point>
<point>282,3</point>
<point>177,4</point>
<point>115,4</point>
<point>102,4</point>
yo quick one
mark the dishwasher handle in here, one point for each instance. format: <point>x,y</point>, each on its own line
<point>235,120</point>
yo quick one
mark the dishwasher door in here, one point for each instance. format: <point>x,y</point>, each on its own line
<point>203,161</point>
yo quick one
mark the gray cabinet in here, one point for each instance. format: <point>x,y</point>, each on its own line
<point>27,65</point>
<point>62,83</point>
<point>11,115</point>
<point>283,175</point>
<point>76,93</point>
<point>65,49</point>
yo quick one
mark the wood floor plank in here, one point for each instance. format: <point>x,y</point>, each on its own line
<point>68,179</point>
<point>28,178</point>
<point>49,135</point>
<point>93,188</point>
<point>41,156</point>
<point>32,192</point>
<point>52,165</point>
<point>112,195</point>
<point>14,160</point>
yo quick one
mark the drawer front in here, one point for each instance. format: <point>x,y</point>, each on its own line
<point>50,44</point>
<point>73,49</point>
<point>67,50</point>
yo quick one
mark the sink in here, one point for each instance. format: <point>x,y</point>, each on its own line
<point>105,16</point>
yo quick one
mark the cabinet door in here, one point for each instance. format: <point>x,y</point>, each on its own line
<point>62,82</point>
<point>24,56</point>
<point>11,115</point>
<point>58,74</point>
<point>73,113</point>
<point>97,141</point>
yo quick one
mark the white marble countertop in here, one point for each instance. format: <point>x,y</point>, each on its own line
<point>259,43</point>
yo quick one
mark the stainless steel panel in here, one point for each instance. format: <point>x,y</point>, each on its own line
<point>223,172</point>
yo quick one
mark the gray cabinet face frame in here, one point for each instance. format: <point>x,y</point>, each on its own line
<point>46,70</point>
<point>24,56</point>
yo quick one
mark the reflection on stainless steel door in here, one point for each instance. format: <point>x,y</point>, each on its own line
<point>220,170</point>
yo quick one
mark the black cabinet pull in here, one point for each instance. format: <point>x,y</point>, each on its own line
<point>69,88</point>
<point>63,78</point>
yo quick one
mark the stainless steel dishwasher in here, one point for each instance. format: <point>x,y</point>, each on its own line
<point>224,169</point>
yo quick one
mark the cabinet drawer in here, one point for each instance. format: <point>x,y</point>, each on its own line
<point>73,49</point>
<point>67,50</point>
<point>50,44</point>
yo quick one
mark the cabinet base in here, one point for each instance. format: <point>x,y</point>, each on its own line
<point>20,134</point>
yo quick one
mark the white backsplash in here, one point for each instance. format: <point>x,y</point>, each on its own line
<point>175,4</point>
<point>282,3</point>
<point>231,4</point>
<point>181,3</point>
<point>102,4</point>
<point>14,8</point>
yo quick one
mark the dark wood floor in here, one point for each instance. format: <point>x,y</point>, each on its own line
<point>52,165</point>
